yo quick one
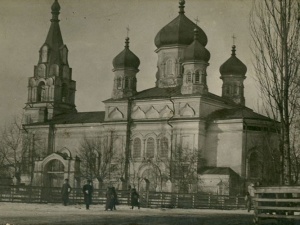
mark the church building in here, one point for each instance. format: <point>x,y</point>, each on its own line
<point>173,137</point>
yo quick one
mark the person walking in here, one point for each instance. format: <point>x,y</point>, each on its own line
<point>109,199</point>
<point>65,192</point>
<point>134,199</point>
<point>248,201</point>
<point>87,192</point>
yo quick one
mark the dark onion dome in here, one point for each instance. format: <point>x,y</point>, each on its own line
<point>179,31</point>
<point>126,58</point>
<point>233,66</point>
<point>196,51</point>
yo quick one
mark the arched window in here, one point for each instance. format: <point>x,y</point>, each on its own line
<point>197,77</point>
<point>119,83</point>
<point>126,82</point>
<point>55,166</point>
<point>255,166</point>
<point>164,147</point>
<point>137,146</point>
<point>189,77</point>
<point>64,92</point>
<point>40,92</point>
<point>150,148</point>
<point>169,67</point>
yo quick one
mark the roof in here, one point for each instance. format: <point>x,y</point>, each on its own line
<point>196,51</point>
<point>126,58</point>
<point>76,118</point>
<point>163,93</point>
<point>218,171</point>
<point>236,113</point>
<point>179,32</point>
<point>233,66</point>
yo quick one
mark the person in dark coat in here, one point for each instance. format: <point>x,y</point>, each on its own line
<point>87,192</point>
<point>134,198</point>
<point>109,199</point>
<point>115,198</point>
<point>65,191</point>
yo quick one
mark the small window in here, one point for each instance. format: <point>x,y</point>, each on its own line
<point>126,82</point>
<point>41,92</point>
<point>169,67</point>
<point>197,77</point>
<point>64,92</point>
<point>189,77</point>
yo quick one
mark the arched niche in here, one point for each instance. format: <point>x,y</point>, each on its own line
<point>152,113</point>
<point>115,114</point>
<point>187,110</point>
<point>166,112</point>
<point>138,113</point>
<point>41,71</point>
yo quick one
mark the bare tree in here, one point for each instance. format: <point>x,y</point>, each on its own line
<point>96,156</point>
<point>19,149</point>
<point>183,167</point>
<point>275,32</point>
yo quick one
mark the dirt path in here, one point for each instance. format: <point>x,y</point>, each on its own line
<point>21,214</point>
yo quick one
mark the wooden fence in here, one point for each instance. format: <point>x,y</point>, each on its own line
<point>279,203</point>
<point>31,194</point>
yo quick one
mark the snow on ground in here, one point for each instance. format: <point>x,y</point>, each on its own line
<point>22,213</point>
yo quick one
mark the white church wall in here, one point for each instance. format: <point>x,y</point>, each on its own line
<point>224,143</point>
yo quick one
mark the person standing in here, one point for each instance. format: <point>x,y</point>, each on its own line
<point>109,199</point>
<point>134,199</point>
<point>65,192</point>
<point>87,192</point>
<point>248,201</point>
<point>115,198</point>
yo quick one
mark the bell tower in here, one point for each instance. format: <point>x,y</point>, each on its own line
<point>51,90</point>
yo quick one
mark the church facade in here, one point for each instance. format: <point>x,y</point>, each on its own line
<point>174,137</point>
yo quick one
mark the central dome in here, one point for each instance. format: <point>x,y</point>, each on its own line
<point>179,32</point>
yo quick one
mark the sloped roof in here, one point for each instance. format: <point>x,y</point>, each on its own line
<point>218,171</point>
<point>236,113</point>
<point>76,118</point>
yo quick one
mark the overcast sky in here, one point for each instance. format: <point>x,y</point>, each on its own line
<point>94,32</point>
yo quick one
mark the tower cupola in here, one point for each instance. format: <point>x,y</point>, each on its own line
<point>126,58</point>
<point>196,59</point>
<point>233,75</point>
<point>125,65</point>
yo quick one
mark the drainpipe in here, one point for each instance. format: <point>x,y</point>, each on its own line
<point>127,147</point>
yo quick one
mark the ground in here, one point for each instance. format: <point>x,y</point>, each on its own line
<point>42,214</point>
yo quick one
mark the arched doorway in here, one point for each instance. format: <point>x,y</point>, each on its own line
<point>149,180</point>
<point>54,174</point>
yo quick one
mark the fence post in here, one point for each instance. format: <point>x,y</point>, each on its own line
<point>208,200</point>
<point>177,200</point>
<point>237,201</point>
<point>161,200</point>
<point>147,198</point>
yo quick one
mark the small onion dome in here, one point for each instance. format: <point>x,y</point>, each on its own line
<point>233,66</point>
<point>55,6</point>
<point>126,58</point>
<point>179,31</point>
<point>196,51</point>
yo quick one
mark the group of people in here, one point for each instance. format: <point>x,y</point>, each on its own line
<point>111,195</point>
<point>87,193</point>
